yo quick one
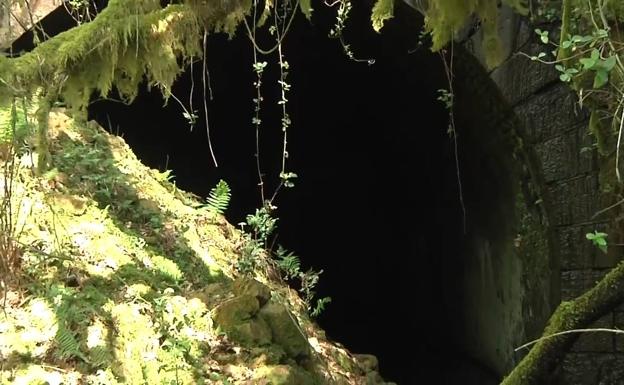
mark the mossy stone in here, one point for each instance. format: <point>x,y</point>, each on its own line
<point>236,318</point>
<point>286,331</point>
<point>282,375</point>
<point>235,311</point>
<point>252,287</point>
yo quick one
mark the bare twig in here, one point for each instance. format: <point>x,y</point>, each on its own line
<point>592,330</point>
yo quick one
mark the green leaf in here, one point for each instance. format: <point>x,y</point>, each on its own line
<point>609,63</point>
<point>599,240</point>
<point>595,54</point>
<point>588,63</point>
<point>306,8</point>
<point>602,78</point>
<point>382,11</point>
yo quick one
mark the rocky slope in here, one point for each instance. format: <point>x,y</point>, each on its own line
<point>126,279</point>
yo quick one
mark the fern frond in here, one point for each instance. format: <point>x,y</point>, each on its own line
<point>219,197</point>
<point>67,344</point>
<point>288,263</point>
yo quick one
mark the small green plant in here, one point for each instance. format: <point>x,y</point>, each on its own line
<point>342,16</point>
<point>219,197</point>
<point>290,266</point>
<point>288,263</point>
<point>446,97</point>
<point>599,240</point>
<point>262,224</point>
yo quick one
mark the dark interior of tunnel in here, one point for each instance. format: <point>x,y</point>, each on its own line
<point>376,204</point>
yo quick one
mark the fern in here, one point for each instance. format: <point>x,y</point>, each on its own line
<point>288,263</point>
<point>67,344</point>
<point>320,306</point>
<point>219,197</point>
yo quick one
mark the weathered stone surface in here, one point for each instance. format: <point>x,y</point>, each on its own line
<point>577,252</point>
<point>597,341</point>
<point>286,331</point>
<point>561,157</point>
<point>574,201</point>
<point>282,375</point>
<point>236,318</point>
<point>619,324</point>
<point>235,310</point>
<point>244,285</point>
<point>592,368</point>
<point>577,282</point>
<point>519,77</point>
<point>550,113</point>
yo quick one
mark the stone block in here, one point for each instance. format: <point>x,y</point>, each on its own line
<point>597,341</point>
<point>592,369</point>
<point>558,157</point>
<point>260,291</point>
<point>561,157</point>
<point>550,113</point>
<point>577,282</point>
<point>619,324</point>
<point>519,77</point>
<point>285,329</point>
<point>575,201</point>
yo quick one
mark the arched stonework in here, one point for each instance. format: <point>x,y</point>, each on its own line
<point>555,136</point>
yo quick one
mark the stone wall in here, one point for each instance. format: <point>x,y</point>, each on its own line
<point>555,131</point>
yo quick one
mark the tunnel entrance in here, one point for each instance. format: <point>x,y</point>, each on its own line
<point>376,205</point>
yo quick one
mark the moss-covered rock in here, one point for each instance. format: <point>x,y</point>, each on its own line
<point>245,285</point>
<point>282,375</point>
<point>285,329</point>
<point>368,362</point>
<point>236,318</point>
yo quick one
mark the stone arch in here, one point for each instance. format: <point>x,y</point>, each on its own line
<point>565,173</point>
<point>525,229</point>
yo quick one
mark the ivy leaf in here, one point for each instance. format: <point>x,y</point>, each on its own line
<point>306,8</point>
<point>382,11</point>
<point>601,78</point>
<point>595,55</point>
<point>543,35</point>
<point>609,63</point>
<point>588,63</point>
<point>599,240</point>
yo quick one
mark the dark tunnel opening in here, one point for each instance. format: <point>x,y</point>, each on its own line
<point>376,205</point>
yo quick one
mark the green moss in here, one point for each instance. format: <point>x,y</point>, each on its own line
<point>602,133</point>
<point>444,19</point>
